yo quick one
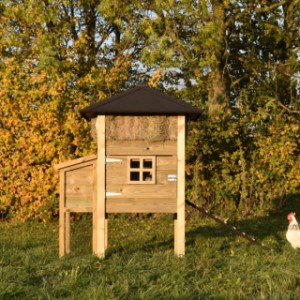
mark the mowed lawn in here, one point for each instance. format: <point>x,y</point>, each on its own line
<point>140,263</point>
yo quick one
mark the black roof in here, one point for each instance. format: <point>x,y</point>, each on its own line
<point>140,100</point>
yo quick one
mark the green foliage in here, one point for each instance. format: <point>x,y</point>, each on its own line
<point>243,156</point>
<point>246,166</point>
<point>236,60</point>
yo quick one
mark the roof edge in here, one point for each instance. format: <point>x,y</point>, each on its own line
<point>92,111</point>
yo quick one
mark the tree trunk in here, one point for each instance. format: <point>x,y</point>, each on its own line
<point>218,83</point>
<point>287,91</point>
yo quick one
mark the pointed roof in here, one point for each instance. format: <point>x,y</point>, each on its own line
<point>140,100</point>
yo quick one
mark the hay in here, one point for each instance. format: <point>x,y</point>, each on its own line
<point>146,128</point>
<point>93,129</point>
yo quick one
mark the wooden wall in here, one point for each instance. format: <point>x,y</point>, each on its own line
<point>139,198</point>
<point>99,184</point>
<point>79,189</point>
<point>158,197</point>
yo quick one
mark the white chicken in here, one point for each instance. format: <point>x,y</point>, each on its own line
<point>293,232</point>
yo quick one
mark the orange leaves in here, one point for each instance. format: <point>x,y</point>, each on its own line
<point>118,74</point>
<point>42,87</point>
<point>155,78</point>
<point>27,148</point>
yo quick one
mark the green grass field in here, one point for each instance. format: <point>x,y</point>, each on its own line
<point>140,263</point>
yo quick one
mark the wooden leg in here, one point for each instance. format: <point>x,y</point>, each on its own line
<point>179,235</point>
<point>175,237</point>
<point>180,222</point>
<point>100,238</point>
<point>94,234</point>
<point>62,178</point>
<point>68,229</point>
<point>61,233</point>
<point>99,204</point>
<point>106,233</point>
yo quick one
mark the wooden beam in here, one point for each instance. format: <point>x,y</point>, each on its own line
<point>94,200</point>
<point>68,231</point>
<point>179,224</point>
<point>80,209</point>
<point>106,234</point>
<point>62,176</point>
<point>99,205</point>
<point>74,162</point>
<point>141,205</point>
<point>140,148</point>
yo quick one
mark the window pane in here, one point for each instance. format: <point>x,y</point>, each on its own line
<point>134,176</point>
<point>147,176</point>
<point>134,163</point>
<point>147,163</point>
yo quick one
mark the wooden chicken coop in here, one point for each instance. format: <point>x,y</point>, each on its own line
<point>139,166</point>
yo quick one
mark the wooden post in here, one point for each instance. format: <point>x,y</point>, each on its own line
<point>179,224</point>
<point>62,214</point>
<point>68,231</point>
<point>99,205</point>
<point>94,199</point>
<point>106,233</point>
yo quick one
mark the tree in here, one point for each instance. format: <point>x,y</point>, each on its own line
<point>229,56</point>
<point>57,57</point>
<point>236,60</point>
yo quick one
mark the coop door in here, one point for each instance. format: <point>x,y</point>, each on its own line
<point>141,184</point>
<point>79,188</point>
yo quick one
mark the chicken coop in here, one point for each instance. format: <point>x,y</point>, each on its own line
<point>139,166</point>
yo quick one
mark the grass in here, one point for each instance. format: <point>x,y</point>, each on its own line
<point>140,263</point>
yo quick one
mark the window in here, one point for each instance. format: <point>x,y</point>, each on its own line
<point>141,170</point>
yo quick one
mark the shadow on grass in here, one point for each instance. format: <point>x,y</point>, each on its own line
<point>269,230</point>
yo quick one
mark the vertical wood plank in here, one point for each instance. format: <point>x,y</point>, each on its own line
<point>179,235</point>
<point>68,231</point>
<point>106,233</point>
<point>94,199</point>
<point>175,236</point>
<point>62,178</point>
<point>99,206</point>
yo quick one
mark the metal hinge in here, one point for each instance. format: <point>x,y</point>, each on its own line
<point>112,160</point>
<point>172,177</point>
<point>109,194</point>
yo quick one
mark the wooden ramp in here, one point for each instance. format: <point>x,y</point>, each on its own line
<point>228,226</point>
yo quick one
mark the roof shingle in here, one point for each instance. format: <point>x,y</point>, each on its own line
<point>140,100</point>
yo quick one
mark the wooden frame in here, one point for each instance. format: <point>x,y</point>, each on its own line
<point>168,157</point>
<point>141,170</point>
<point>67,207</point>
<point>62,215</point>
<point>179,224</point>
<point>99,221</point>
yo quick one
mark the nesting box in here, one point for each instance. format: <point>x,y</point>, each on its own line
<point>139,166</point>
